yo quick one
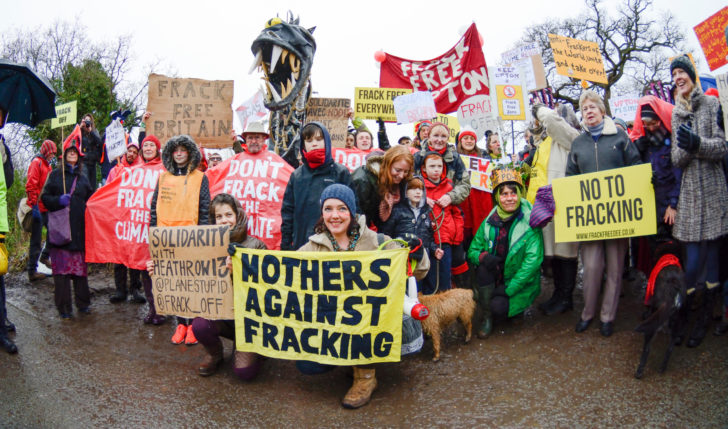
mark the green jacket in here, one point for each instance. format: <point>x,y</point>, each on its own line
<point>522,271</point>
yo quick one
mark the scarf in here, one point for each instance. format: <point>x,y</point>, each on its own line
<point>441,151</point>
<point>385,206</point>
<point>502,213</point>
<point>596,130</point>
<point>664,261</point>
<point>315,158</point>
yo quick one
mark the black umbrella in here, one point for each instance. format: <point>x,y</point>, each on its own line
<point>26,96</point>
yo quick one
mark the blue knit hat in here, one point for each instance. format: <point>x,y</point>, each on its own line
<point>342,193</point>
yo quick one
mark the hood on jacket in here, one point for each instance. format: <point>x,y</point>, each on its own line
<point>327,144</point>
<point>374,163</point>
<point>423,201</point>
<point>663,110</point>
<point>189,144</point>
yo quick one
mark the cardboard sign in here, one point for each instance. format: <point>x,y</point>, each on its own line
<point>532,72</point>
<point>617,203</point>
<point>336,308</point>
<point>625,107</point>
<point>196,107</point>
<point>452,123</point>
<point>721,82</point>
<point>190,278</point>
<point>509,92</point>
<point>374,103</point>
<point>712,38</point>
<point>350,158</point>
<point>523,51</point>
<point>117,217</point>
<point>414,107</point>
<point>66,114</point>
<point>477,113</point>
<point>258,181</point>
<point>115,140</point>
<point>480,170</point>
<point>578,59</point>
<point>333,113</point>
<point>252,109</point>
<point>452,77</point>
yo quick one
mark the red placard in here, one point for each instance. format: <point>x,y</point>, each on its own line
<point>117,218</point>
<point>258,181</point>
<point>452,77</point>
<point>711,34</point>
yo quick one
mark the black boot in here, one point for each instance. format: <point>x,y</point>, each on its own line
<point>120,282</point>
<point>706,313</point>
<point>567,278</point>
<point>8,344</point>
<point>135,286</point>
<point>486,327</point>
<point>556,296</point>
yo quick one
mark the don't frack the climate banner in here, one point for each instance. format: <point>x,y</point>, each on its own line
<point>338,308</point>
<point>615,203</point>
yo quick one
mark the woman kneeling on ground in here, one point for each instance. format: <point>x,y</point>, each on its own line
<point>337,231</point>
<point>225,210</point>
<point>507,252</point>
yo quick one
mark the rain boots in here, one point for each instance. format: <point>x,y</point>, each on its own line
<point>486,327</point>
<point>212,359</point>
<point>564,272</point>
<point>705,313</point>
<point>120,283</point>
<point>361,391</point>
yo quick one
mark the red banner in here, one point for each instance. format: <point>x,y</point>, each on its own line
<point>258,181</point>
<point>117,218</point>
<point>452,77</point>
<point>713,40</point>
<point>349,158</point>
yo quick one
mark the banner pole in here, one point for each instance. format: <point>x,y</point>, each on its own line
<point>513,139</point>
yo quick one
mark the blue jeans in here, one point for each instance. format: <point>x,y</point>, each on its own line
<point>438,278</point>
<point>699,255</point>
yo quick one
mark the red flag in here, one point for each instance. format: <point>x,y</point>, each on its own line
<point>452,77</point>
<point>258,181</point>
<point>349,158</point>
<point>117,218</point>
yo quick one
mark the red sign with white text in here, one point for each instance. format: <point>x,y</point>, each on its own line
<point>258,181</point>
<point>711,34</point>
<point>117,218</point>
<point>452,77</point>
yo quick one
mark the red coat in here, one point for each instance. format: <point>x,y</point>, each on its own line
<point>447,222</point>
<point>38,172</point>
<point>476,208</point>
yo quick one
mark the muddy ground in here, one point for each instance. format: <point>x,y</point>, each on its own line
<point>108,369</point>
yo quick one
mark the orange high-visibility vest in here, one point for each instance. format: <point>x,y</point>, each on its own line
<point>178,199</point>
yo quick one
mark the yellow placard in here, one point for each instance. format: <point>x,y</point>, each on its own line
<point>66,114</point>
<point>452,123</point>
<point>615,203</point>
<point>578,59</point>
<point>373,103</point>
<point>480,170</point>
<point>510,102</point>
<point>337,308</point>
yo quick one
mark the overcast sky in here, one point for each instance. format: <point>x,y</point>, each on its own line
<point>211,40</point>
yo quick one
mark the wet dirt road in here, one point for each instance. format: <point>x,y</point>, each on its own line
<point>107,369</point>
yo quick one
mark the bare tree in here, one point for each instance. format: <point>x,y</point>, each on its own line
<point>635,45</point>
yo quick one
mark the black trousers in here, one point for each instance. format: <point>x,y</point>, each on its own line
<point>62,293</point>
<point>37,249</point>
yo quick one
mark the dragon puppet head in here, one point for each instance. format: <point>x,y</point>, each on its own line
<point>284,50</point>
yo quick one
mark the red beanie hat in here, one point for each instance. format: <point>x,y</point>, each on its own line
<point>152,138</point>
<point>713,92</point>
<point>48,147</point>
<point>467,132</point>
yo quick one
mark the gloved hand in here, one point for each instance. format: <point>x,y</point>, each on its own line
<point>416,249</point>
<point>489,261</point>
<point>65,200</point>
<point>687,139</point>
<point>231,249</point>
<point>380,121</point>
<point>35,212</point>
<point>642,143</point>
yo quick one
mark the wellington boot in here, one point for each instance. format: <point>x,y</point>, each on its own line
<point>565,277</point>
<point>212,360</point>
<point>137,298</point>
<point>117,297</point>
<point>486,327</point>
<point>556,296</point>
<point>703,320</point>
<point>361,391</point>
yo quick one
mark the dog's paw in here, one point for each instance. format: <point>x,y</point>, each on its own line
<point>639,373</point>
<point>436,359</point>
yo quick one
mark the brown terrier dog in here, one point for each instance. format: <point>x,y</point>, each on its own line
<point>445,308</point>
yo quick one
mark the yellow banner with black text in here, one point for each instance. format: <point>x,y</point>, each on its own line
<point>338,308</point>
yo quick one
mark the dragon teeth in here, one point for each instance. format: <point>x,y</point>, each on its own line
<point>284,54</point>
<point>273,91</point>
<point>256,62</point>
<point>274,56</point>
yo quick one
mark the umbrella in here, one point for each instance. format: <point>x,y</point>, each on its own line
<point>27,97</point>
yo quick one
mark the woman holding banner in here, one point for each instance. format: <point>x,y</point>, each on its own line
<point>698,148</point>
<point>338,230</point>
<point>379,184</point>
<point>601,147</point>
<point>68,186</point>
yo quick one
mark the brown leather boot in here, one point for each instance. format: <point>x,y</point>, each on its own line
<point>361,391</point>
<point>212,360</point>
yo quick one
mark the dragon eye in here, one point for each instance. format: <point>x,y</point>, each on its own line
<point>273,21</point>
